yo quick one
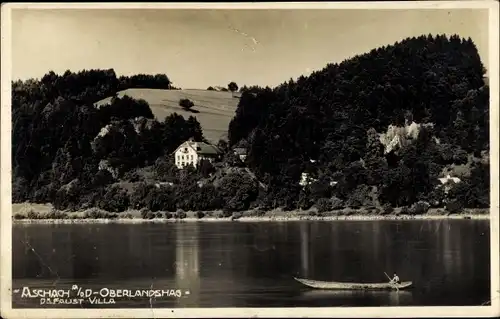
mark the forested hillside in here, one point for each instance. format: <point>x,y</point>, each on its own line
<point>335,115</point>
<point>61,141</point>
<point>375,130</point>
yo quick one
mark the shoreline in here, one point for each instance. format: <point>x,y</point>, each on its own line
<point>248,219</point>
<point>45,214</point>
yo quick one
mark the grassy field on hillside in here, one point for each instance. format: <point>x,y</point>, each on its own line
<point>214,110</point>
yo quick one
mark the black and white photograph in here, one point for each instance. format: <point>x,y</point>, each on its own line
<point>250,159</point>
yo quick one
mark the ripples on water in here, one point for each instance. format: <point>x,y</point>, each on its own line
<point>243,264</point>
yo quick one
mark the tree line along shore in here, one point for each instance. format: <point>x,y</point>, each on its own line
<point>29,213</point>
<point>377,131</point>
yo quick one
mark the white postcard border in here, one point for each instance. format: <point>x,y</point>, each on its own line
<point>425,311</point>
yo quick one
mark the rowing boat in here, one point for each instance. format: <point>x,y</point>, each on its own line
<point>352,286</point>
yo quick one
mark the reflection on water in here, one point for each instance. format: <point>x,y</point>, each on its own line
<point>243,264</point>
<point>304,249</point>
<point>187,262</point>
<point>384,298</point>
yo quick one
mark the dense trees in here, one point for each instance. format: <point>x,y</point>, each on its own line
<point>60,138</point>
<point>375,130</point>
<point>335,116</point>
<point>158,81</point>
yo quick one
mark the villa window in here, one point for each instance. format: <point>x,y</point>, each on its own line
<point>191,157</point>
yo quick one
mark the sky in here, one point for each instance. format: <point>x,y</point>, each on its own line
<point>199,48</point>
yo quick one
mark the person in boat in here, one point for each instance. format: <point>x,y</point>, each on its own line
<point>395,279</point>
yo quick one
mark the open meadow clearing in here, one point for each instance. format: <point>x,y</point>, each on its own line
<point>213,109</point>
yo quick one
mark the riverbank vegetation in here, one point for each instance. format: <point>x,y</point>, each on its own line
<point>47,213</point>
<point>373,133</point>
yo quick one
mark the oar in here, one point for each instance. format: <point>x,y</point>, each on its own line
<point>391,280</point>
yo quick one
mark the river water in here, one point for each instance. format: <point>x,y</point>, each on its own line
<point>252,264</point>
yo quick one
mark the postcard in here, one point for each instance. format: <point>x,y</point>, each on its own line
<point>250,159</point>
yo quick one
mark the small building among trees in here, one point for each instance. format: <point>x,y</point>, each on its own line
<point>241,152</point>
<point>192,153</point>
<point>448,182</point>
<point>306,179</point>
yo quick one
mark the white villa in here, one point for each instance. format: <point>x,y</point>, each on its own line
<point>191,153</point>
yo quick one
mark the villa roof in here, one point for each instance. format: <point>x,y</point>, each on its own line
<point>200,148</point>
